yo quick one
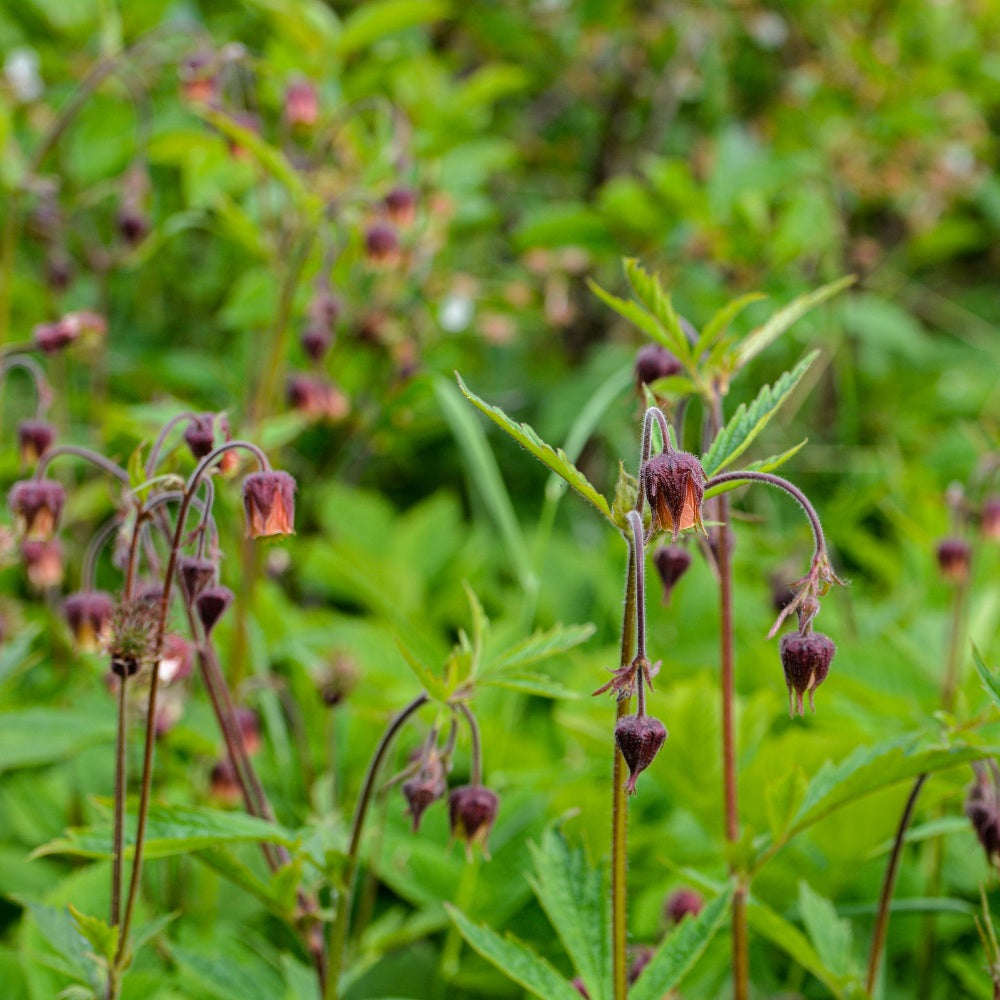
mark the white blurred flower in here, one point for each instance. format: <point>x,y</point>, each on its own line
<point>20,69</point>
<point>456,312</point>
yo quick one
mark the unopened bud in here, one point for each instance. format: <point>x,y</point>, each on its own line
<point>982,806</point>
<point>316,341</point>
<point>639,737</point>
<point>683,903</point>
<point>211,604</point>
<point>382,243</point>
<point>196,574</point>
<point>671,562</point>
<point>401,204</point>
<point>806,661</point>
<point>200,434</point>
<point>43,563</point>
<point>654,362</point>
<point>88,614</point>
<point>472,811</point>
<point>37,506</point>
<point>954,558</point>
<point>34,438</point>
<point>425,787</point>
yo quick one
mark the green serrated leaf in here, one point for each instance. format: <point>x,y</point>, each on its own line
<point>650,293</point>
<point>480,625</point>
<point>101,936</point>
<point>514,959</point>
<point>831,936</point>
<point>776,929</point>
<point>537,684</point>
<point>626,492</point>
<point>435,686</point>
<point>574,897</point>
<point>61,934</point>
<point>540,646</point>
<point>631,311</point>
<point>748,421</point>
<point>989,676</point>
<point>554,459</point>
<point>681,949</point>
<point>782,798</point>
<point>717,326</point>
<point>765,335</point>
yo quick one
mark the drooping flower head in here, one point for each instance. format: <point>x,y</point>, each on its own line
<point>34,438</point>
<point>472,811</point>
<point>674,484</point>
<point>982,806</point>
<point>671,562</point>
<point>88,614</point>
<point>36,505</point>
<point>196,574</point>
<point>425,787</point>
<point>211,604</point>
<point>806,661</point>
<point>269,500</point>
<point>200,434</point>
<point>639,737</point>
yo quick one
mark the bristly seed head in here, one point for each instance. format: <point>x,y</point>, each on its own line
<point>806,661</point>
<point>132,636</point>
<point>674,484</point>
<point>639,737</point>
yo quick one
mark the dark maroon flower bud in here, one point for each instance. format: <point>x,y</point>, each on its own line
<point>324,308</point>
<point>200,434</point>
<point>401,204</point>
<point>196,574</point>
<point>34,438</point>
<point>338,680</point>
<point>982,806</point>
<point>58,272</point>
<point>199,77</point>
<point>248,725</point>
<point>225,783</point>
<point>578,985</point>
<point>806,660</point>
<point>683,903</point>
<point>472,811</point>
<point>316,341</point>
<point>37,506</point>
<point>317,397</point>
<point>88,614</point>
<point>954,558</point>
<point>43,562</point>
<point>132,224</point>
<point>269,501</point>
<point>382,243</point>
<point>639,737</point>
<point>990,518</point>
<point>654,361</point>
<point>211,604</point>
<point>425,787</point>
<point>674,484</point>
<point>641,957</point>
<point>175,659</point>
<point>671,562</point>
<point>52,337</point>
<point>301,104</point>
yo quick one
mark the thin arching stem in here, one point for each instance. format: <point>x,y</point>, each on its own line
<point>94,457</point>
<point>338,932</point>
<point>154,452</point>
<point>43,393</point>
<point>476,777</point>
<point>88,572</point>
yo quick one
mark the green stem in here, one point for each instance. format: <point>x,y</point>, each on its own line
<point>619,808</point>
<point>888,884</point>
<point>338,931</point>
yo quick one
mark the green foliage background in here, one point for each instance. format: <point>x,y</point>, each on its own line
<point>731,147</point>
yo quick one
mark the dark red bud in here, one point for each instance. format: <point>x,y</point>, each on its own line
<point>806,661</point>
<point>671,562</point>
<point>639,737</point>
<point>683,903</point>
<point>132,224</point>
<point>338,680</point>
<point>954,558</point>
<point>225,783</point>
<point>641,957</point>
<point>200,434</point>
<point>982,806</point>
<point>211,604</point>
<point>990,518</point>
<point>382,243</point>
<point>196,574</point>
<point>401,204</point>
<point>425,788</point>
<point>317,397</point>
<point>472,811</point>
<point>248,723</point>
<point>653,362</point>
<point>316,341</point>
<point>43,562</point>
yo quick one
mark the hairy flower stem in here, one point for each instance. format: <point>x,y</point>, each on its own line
<point>118,835</point>
<point>619,808</point>
<point>338,930</point>
<point>476,776</point>
<point>94,457</point>
<point>888,885</point>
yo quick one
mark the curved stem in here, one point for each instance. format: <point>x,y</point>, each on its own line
<point>154,452</point>
<point>476,777</point>
<point>338,932</point>
<point>94,457</point>
<point>43,394</point>
<point>88,574</point>
<point>888,884</point>
<point>781,484</point>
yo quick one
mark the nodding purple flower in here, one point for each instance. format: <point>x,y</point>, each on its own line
<point>200,434</point>
<point>954,556</point>
<point>53,337</point>
<point>806,660</point>
<point>639,737</point>
<point>211,604</point>
<point>269,501</point>
<point>316,340</point>
<point>653,362</point>
<point>316,397</point>
<point>989,518</point>
<point>88,614</point>
<point>425,787</point>
<point>401,204</point>
<point>225,783</point>
<point>43,562</point>
<point>248,723</point>
<point>382,243</point>
<point>674,484</point>
<point>34,438</point>
<point>338,680</point>
<point>301,103</point>
<point>671,562</point>
<point>37,506</point>
<point>683,903</point>
<point>175,659</point>
<point>196,574</point>
<point>982,806</point>
<point>472,811</point>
